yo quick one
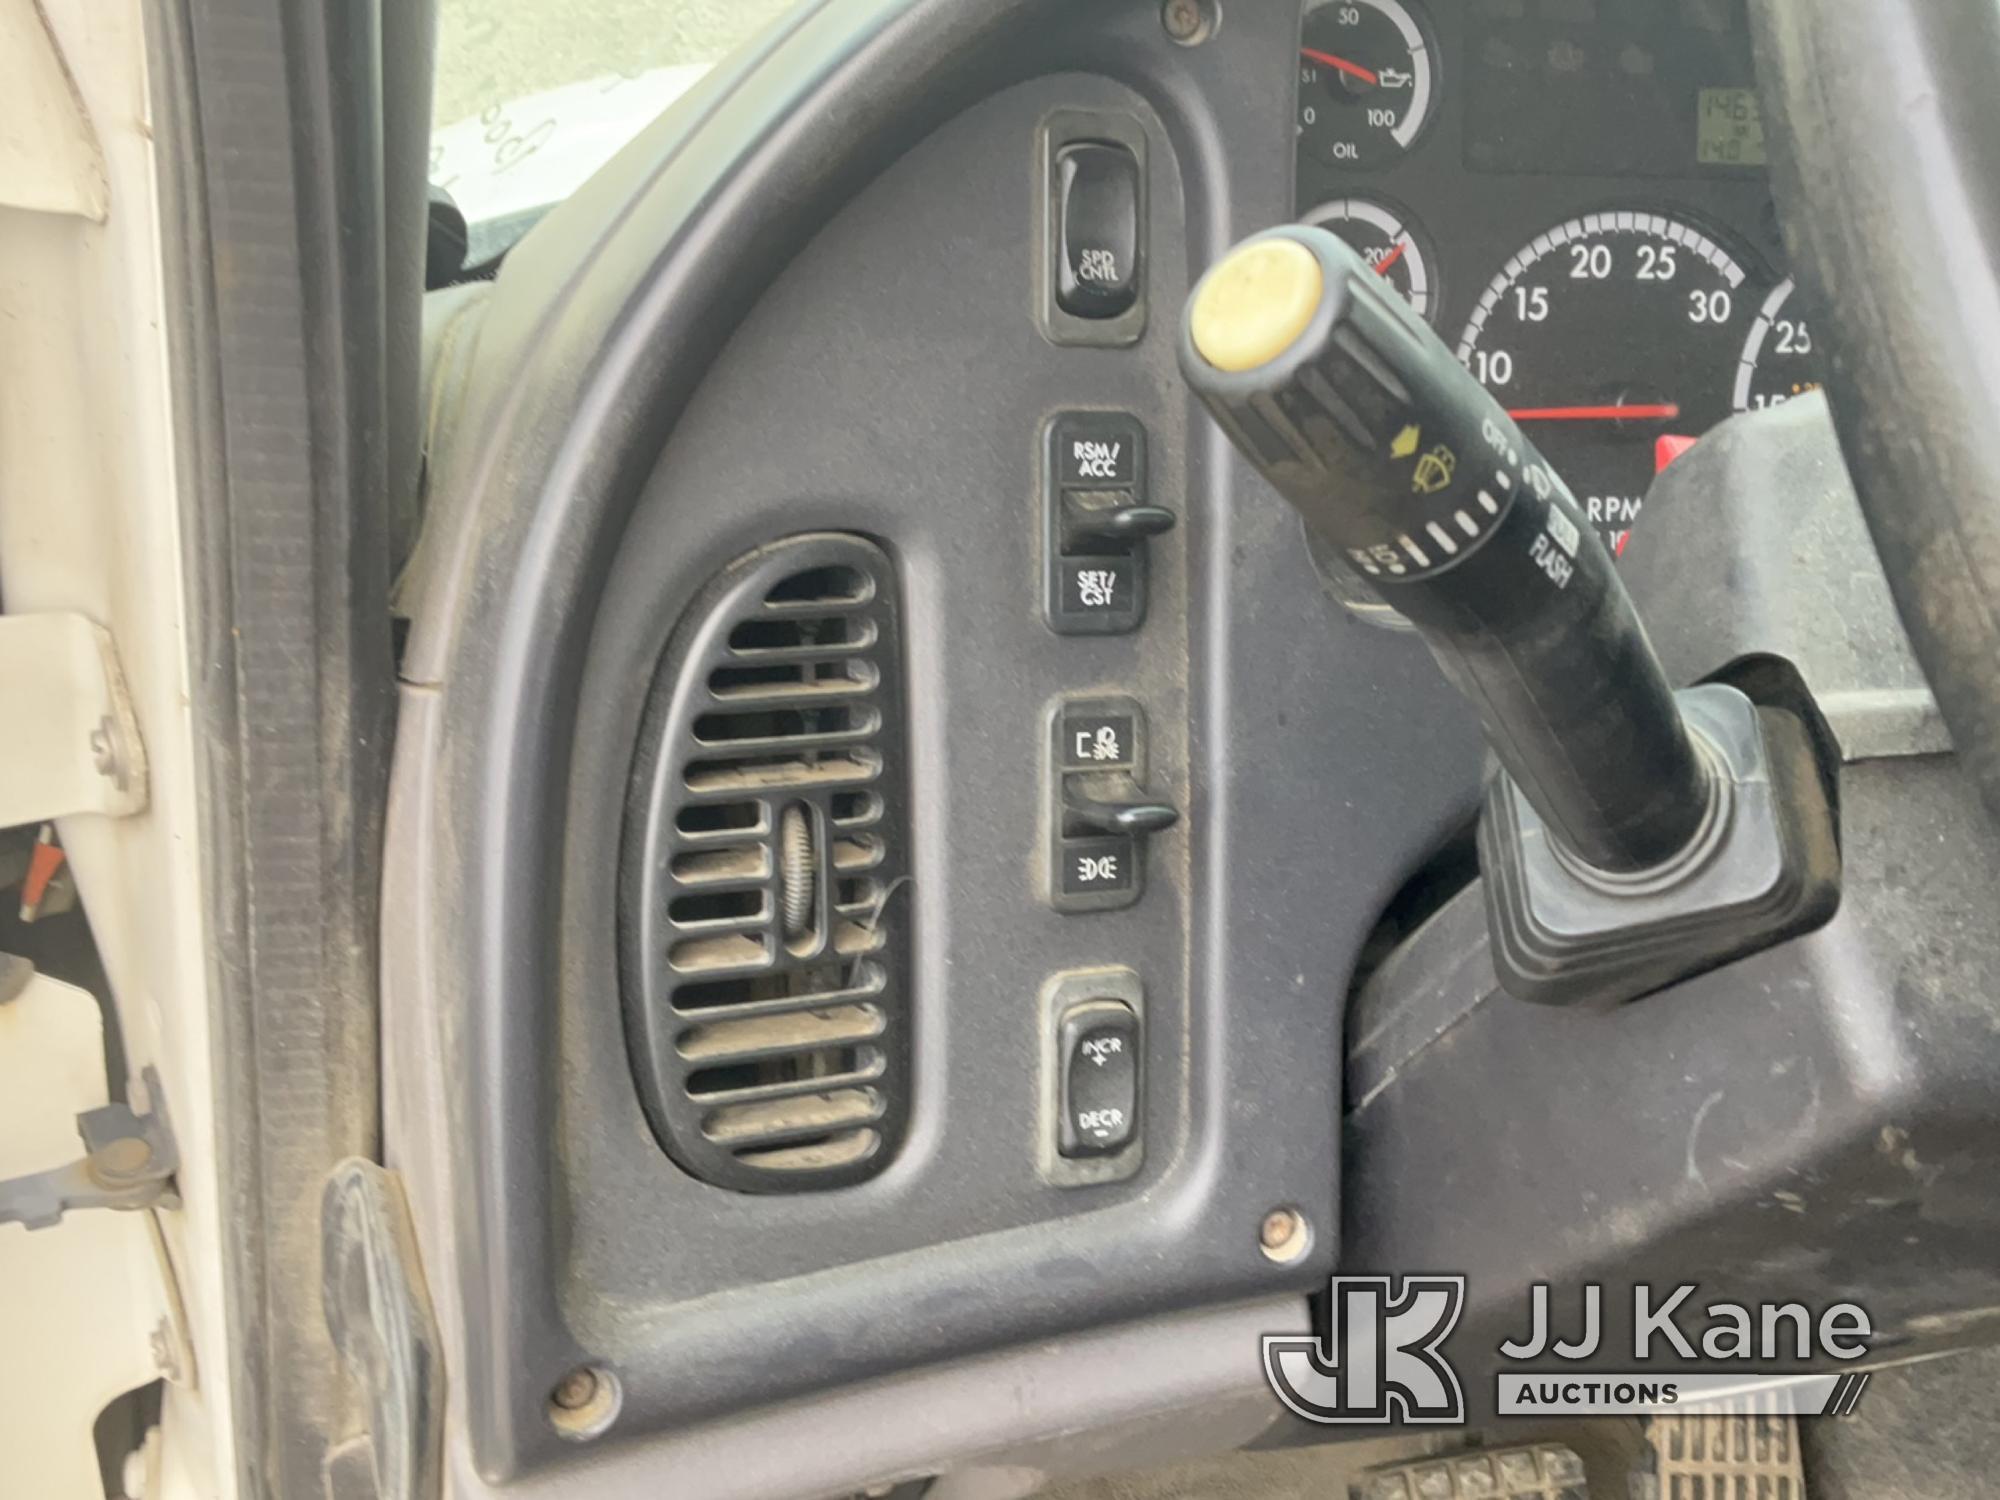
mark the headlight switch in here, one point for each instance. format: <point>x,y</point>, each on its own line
<point>1100,812</point>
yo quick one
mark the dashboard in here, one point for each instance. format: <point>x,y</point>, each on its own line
<point>1095,790</point>
<point>1574,194</point>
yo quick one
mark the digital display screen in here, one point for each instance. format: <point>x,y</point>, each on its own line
<point>1614,88</point>
<point>1729,129</point>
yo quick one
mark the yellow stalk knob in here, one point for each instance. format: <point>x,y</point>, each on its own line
<point>1255,304</point>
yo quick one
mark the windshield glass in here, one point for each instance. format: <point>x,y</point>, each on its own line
<point>533,96</point>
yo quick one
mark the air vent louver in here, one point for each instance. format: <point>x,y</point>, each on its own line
<point>764,915</point>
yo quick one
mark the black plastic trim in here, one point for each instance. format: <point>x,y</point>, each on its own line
<point>856,960</point>
<point>274,194</point>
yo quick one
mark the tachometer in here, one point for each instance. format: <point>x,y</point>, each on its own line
<point>1366,83</point>
<point>1387,240</point>
<point>1779,360</point>
<point>1612,338</point>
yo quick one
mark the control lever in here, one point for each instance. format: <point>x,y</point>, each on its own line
<point>1089,526</point>
<point>1112,802</point>
<point>1362,419</point>
<point>1626,814</point>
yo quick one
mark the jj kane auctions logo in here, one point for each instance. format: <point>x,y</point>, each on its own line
<point>1383,1358</point>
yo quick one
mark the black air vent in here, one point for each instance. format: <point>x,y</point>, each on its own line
<point>763,911</point>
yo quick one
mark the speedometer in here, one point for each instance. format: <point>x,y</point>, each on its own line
<point>1779,360</point>
<point>1613,339</point>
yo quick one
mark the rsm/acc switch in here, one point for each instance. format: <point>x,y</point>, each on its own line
<point>1098,520</point>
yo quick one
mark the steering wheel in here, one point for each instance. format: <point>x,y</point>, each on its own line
<point>1883,131</point>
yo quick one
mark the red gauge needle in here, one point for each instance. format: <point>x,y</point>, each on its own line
<point>1382,265</point>
<point>1664,411</point>
<point>1351,69</point>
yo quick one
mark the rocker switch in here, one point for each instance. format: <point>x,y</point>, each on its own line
<point>1099,519</point>
<point>1099,1049</point>
<point>1097,206</point>
<point>1102,814</point>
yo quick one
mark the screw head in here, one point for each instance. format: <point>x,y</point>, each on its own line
<point>1186,21</point>
<point>584,1403</point>
<point>575,1390</point>
<point>1284,1235</point>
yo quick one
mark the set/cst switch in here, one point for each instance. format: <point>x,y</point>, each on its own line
<point>1098,519</point>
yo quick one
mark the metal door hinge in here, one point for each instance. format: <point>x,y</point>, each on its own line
<point>129,1162</point>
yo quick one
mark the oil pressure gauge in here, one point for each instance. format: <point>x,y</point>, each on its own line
<point>1367,80</point>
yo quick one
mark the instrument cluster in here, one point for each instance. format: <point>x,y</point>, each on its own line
<point>1574,193</point>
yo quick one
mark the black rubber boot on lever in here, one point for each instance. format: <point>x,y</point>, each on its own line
<point>1635,836</point>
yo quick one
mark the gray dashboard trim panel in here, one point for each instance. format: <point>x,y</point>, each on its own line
<point>618,439</point>
<point>1150,1393</point>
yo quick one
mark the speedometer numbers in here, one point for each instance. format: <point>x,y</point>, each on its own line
<point>1366,81</point>
<point>1612,339</point>
<point>1779,360</point>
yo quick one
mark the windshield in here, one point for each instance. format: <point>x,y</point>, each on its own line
<point>532,96</point>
